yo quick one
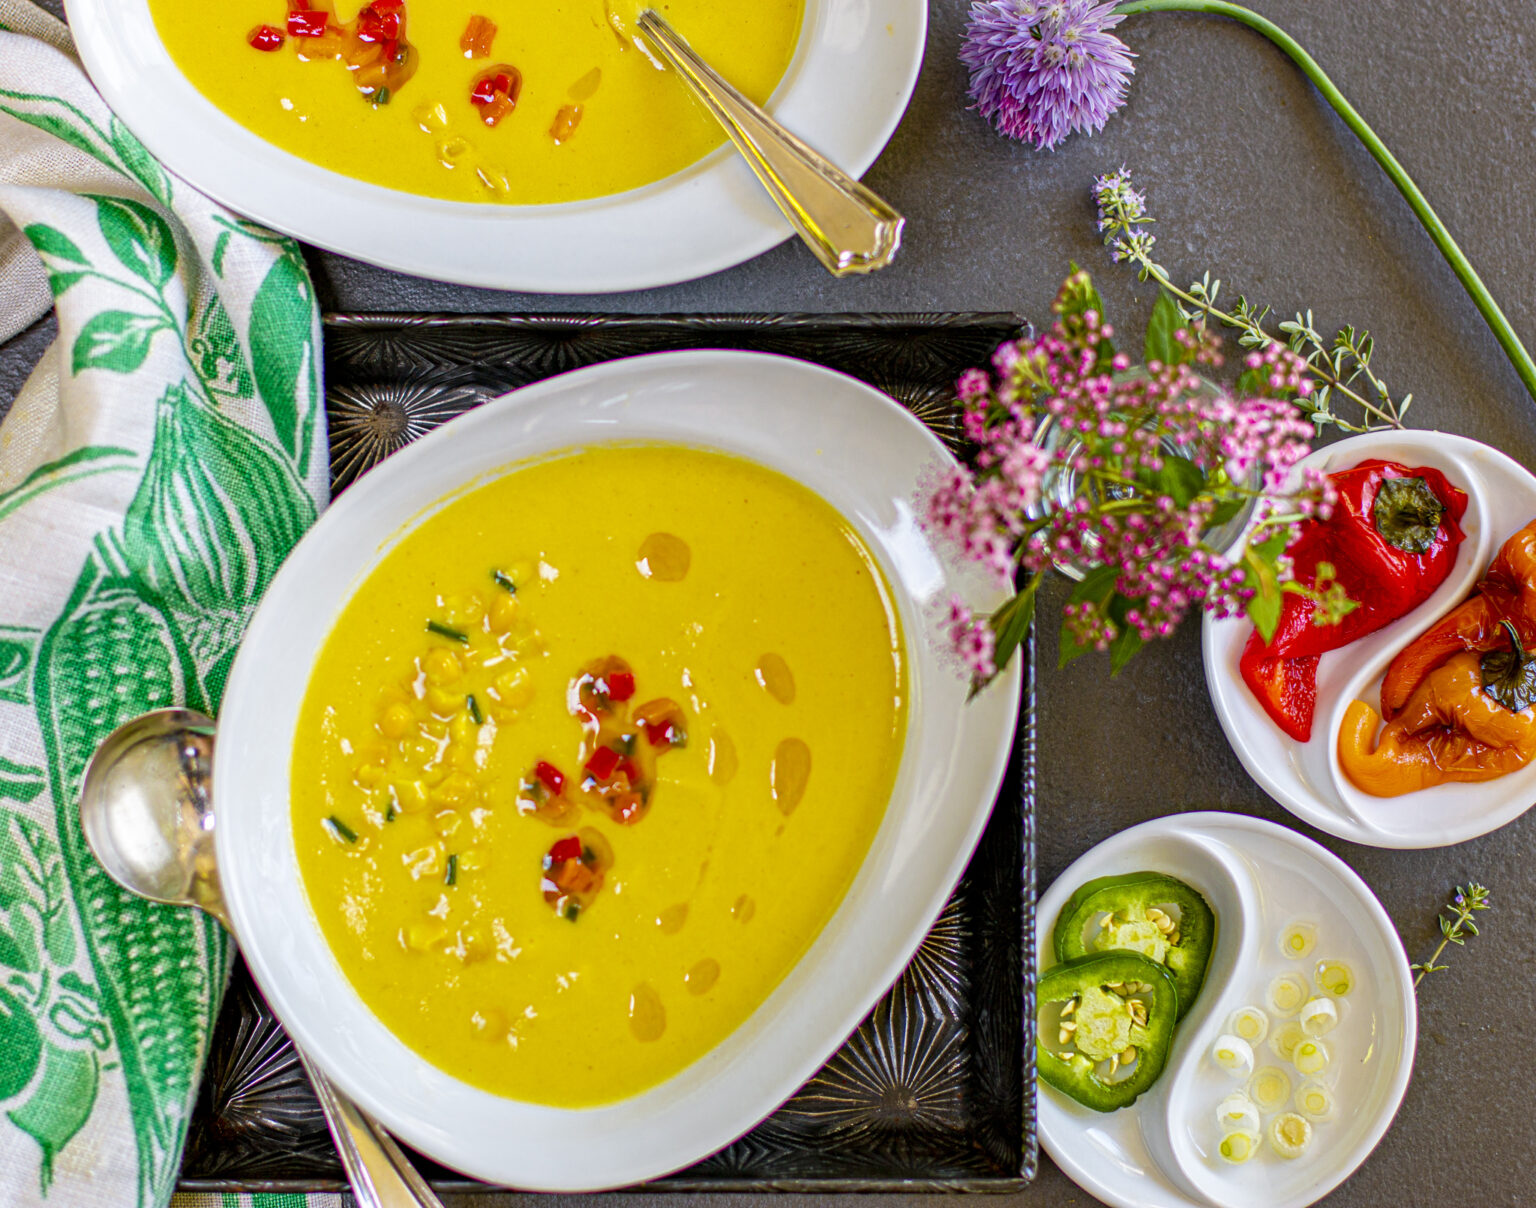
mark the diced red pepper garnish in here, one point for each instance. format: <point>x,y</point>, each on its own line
<point>550,777</point>
<point>621,685</point>
<point>568,848</point>
<point>496,92</point>
<point>305,23</point>
<point>265,37</point>
<point>604,760</point>
<point>629,771</point>
<point>661,734</point>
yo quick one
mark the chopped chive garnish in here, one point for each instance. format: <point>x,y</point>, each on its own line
<point>390,812</point>
<point>474,710</point>
<point>451,877</point>
<point>504,580</point>
<point>572,910</point>
<point>447,631</point>
<point>588,856</point>
<point>628,743</point>
<point>341,830</point>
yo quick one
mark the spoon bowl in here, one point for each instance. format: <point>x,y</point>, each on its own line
<point>147,813</point>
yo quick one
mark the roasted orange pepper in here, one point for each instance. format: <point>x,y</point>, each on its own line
<point>1451,728</point>
<point>1506,593</point>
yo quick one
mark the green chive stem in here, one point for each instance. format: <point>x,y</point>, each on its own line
<point>451,877</point>
<point>475,715</point>
<point>1417,202</point>
<point>504,580</point>
<point>341,830</point>
<point>447,631</point>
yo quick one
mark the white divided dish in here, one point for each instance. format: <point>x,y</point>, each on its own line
<point>1258,878</point>
<point>1306,777</point>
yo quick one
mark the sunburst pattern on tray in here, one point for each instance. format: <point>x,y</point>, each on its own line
<point>935,1088</point>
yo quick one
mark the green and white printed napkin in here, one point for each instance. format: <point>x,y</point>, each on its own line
<point>154,472</point>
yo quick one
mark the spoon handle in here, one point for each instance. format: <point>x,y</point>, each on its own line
<point>849,228</point>
<point>378,1170</point>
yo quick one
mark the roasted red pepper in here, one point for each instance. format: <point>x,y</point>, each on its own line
<point>1389,546</point>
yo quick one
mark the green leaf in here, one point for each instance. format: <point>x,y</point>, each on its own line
<point>1179,478</point>
<point>1262,574</point>
<point>76,134</point>
<point>283,352</point>
<point>115,340</point>
<point>1165,320</point>
<point>85,462</point>
<point>139,163</point>
<point>1226,510</point>
<point>1096,587</point>
<point>55,244</point>
<point>59,283</point>
<point>1128,641</point>
<point>138,237</point>
<point>12,956</point>
<point>220,246</point>
<point>1011,625</point>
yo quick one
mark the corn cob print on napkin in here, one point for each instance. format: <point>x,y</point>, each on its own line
<point>154,472</point>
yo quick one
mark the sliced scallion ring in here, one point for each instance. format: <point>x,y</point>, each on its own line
<point>1318,1016</point>
<point>1233,1054</point>
<point>1297,941</point>
<point>1269,1088</point>
<point>1286,994</point>
<point>1311,1057</point>
<point>1238,1147</point>
<point>1249,1023</point>
<point>1334,977</point>
<point>1315,1102</point>
<point>1236,1113</point>
<point>1284,1039</point>
<point>1289,1134</point>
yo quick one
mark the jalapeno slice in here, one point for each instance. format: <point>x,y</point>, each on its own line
<point>1147,912</point>
<point>1105,1026</point>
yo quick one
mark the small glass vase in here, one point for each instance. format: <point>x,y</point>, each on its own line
<point>1061,485</point>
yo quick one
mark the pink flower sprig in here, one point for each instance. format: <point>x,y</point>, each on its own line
<point>1156,457</point>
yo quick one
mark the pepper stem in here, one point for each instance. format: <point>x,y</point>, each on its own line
<point>1454,256</point>
<point>1514,641</point>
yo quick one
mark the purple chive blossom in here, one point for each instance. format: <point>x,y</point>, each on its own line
<point>1041,69</point>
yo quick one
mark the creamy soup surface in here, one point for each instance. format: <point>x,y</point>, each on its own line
<point>591,758</point>
<point>592,112</point>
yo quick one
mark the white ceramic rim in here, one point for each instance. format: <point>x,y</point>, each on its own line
<point>783,413</point>
<point>844,93</point>
<point>1099,1179</point>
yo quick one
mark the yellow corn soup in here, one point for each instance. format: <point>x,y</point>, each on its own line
<point>595,113</point>
<point>591,758</point>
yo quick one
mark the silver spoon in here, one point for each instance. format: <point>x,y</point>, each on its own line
<point>147,815</point>
<point>849,228</point>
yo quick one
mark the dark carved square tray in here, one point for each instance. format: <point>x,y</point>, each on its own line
<point>935,1090</point>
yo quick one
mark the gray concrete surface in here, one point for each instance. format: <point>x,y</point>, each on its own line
<point>1253,177</point>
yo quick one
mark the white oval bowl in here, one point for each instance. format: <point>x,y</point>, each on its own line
<point>855,447</point>
<point>844,93</point>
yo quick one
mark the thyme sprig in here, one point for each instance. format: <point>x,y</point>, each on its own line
<point>1456,924</point>
<point>1340,367</point>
